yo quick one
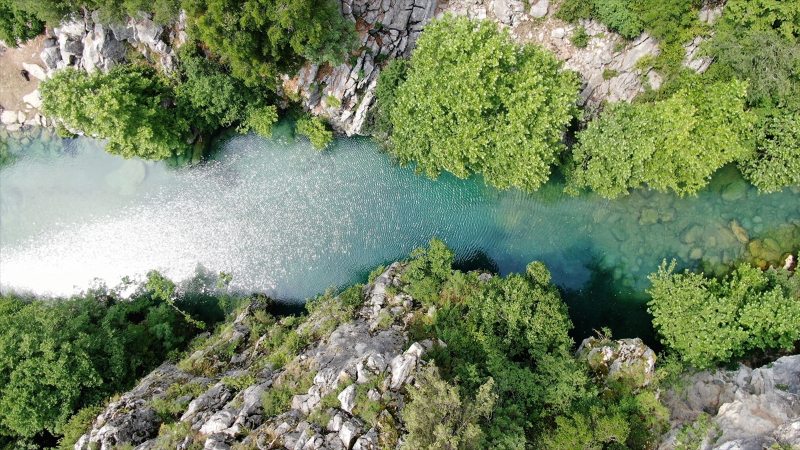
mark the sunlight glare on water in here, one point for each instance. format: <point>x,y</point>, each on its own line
<point>288,221</point>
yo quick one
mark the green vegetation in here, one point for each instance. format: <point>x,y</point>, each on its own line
<point>438,418</point>
<point>125,106</point>
<point>508,378</point>
<point>380,121</point>
<point>118,11</point>
<point>579,37</point>
<point>211,98</point>
<point>707,321</point>
<point>17,24</point>
<point>59,356</point>
<point>316,129</point>
<point>261,39</point>
<point>475,102</point>
<point>671,144</point>
<point>776,162</point>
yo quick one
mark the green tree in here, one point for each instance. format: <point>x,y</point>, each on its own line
<point>57,356</point>
<point>17,24</point>
<point>212,98</point>
<point>475,102</point>
<point>776,163</point>
<point>316,129</point>
<point>130,106</point>
<point>260,39</point>
<point>709,321</point>
<point>768,61</point>
<point>439,417</point>
<point>675,144</point>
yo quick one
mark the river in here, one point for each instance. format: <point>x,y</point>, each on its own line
<point>288,221</point>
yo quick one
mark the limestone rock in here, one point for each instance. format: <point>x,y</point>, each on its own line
<point>750,407</point>
<point>739,231</point>
<point>33,99</point>
<point>8,117</point>
<point>35,70</point>
<point>624,358</point>
<point>539,9</point>
<point>347,398</point>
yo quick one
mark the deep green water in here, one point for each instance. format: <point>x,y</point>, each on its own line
<point>288,221</point>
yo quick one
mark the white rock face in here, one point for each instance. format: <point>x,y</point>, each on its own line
<point>8,117</point>
<point>35,70</point>
<point>33,99</point>
<point>539,9</point>
<point>751,407</point>
<point>347,398</point>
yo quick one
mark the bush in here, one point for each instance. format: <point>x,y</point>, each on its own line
<point>129,106</point>
<point>211,98</point>
<point>671,144</point>
<point>579,37</point>
<point>261,39</point>
<point>380,121</point>
<point>58,356</point>
<point>776,163</point>
<point>17,24</point>
<point>316,129</point>
<point>475,102</point>
<point>708,321</point>
<point>438,416</point>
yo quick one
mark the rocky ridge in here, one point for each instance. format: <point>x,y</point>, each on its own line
<point>386,29</point>
<point>749,409</point>
<point>349,387</point>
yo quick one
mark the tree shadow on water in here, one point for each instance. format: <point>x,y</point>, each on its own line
<point>606,302</point>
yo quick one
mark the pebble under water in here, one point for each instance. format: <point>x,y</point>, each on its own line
<point>288,221</point>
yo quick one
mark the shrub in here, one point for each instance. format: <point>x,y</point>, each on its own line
<point>316,129</point>
<point>579,37</point>
<point>58,356</point>
<point>776,163</point>
<point>672,144</point>
<point>261,39</point>
<point>127,106</point>
<point>476,102</point>
<point>78,425</point>
<point>439,417</point>
<point>211,98</point>
<point>17,24</point>
<point>708,321</point>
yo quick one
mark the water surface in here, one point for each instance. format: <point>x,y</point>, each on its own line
<point>289,221</point>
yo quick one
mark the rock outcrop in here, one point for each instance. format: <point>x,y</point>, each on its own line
<point>749,409</point>
<point>85,43</point>
<point>387,29</point>
<point>364,364</point>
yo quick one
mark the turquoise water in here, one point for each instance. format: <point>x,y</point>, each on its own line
<point>288,221</point>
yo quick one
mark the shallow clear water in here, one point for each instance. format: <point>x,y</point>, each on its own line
<point>288,221</point>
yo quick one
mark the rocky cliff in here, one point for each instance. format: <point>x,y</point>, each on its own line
<point>340,381</point>
<point>386,29</point>
<point>345,390</point>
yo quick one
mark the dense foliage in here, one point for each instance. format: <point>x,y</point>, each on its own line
<point>675,144</point>
<point>17,24</point>
<point>475,102</point>
<point>508,367</point>
<point>211,98</point>
<point>777,161</point>
<point>709,321</point>
<point>260,39</point>
<point>57,356</point>
<point>130,106</point>
<point>53,11</point>
<point>316,129</point>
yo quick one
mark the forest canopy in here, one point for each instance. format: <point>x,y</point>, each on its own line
<point>476,102</point>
